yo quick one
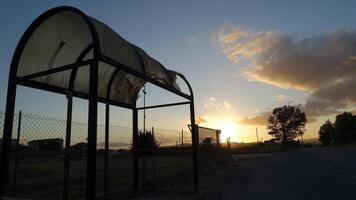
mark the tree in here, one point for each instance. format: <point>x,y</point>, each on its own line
<point>146,145</point>
<point>146,141</point>
<point>326,133</point>
<point>343,128</point>
<point>286,123</point>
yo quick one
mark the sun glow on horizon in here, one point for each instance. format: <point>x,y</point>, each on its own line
<point>229,129</point>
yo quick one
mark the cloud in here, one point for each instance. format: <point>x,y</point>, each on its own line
<point>322,65</point>
<point>227,105</point>
<point>281,97</point>
<point>213,103</point>
<point>201,120</point>
<point>260,120</point>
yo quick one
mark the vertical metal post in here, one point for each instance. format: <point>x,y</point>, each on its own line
<point>134,148</point>
<point>195,144</point>
<point>228,143</point>
<point>16,152</point>
<point>106,164</point>
<point>92,132</point>
<point>144,108</point>
<point>218,132</point>
<point>154,156</point>
<point>218,152</point>
<point>7,134</point>
<point>181,154</point>
<point>67,146</point>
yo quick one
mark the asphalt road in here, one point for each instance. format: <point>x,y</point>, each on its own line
<point>310,173</point>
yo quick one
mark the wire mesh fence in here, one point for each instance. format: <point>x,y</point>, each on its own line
<point>211,151</point>
<point>169,167</point>
<point>37,160</point>
<point>37,168</point>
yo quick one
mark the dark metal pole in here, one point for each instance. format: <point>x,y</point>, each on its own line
<point>7,134</point>
<point>228,143</point>
<point>92,132</point>
<point>154,156</point>
<point>16,152</point>
<point>134,148</point>
<point>218,132</point>
<point>106,167</point>
<point>144,109</point>
<point>181,154</point>
<point>195,144</point>
<point>67,147</point>
<point>218,154</point>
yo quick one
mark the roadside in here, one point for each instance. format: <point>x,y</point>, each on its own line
<point>309,173</point>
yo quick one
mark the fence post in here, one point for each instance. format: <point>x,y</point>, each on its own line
<point>67,146</point>
<point>16,152</point>
<point>195,143</point>
<point>181,154</point>
<point>228,143</point>
<point>218,132</point>
<point>154,157</point>
<point>218,153</point>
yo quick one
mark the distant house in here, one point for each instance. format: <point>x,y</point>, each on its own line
<point>80,146</point>
<point>52,144</point>
<point>271,142</point>
<point>208,141</point>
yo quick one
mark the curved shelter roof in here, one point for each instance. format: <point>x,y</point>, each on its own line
<point>58,49</point>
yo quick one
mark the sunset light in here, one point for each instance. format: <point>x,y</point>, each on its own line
<point>183,99</point>
<point>228,129</point>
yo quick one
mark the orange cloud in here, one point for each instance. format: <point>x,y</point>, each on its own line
<point>323,65</point>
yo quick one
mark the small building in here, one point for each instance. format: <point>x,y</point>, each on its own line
<point>271,143</point>
<point>52,144</point>
<point>208,141</point>
<point>80,146</point>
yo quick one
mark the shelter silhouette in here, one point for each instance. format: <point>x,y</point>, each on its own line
<point>67,52</point>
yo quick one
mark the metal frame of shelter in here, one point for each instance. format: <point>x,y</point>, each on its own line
<point>93,98</point>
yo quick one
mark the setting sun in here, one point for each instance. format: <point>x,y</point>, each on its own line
<point>228,129</point>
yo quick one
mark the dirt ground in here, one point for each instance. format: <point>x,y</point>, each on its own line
<point>311,173</point>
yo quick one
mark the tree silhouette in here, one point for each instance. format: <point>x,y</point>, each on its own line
<point>327,133</point>
<point>344,128</point>
<point>286,123</point>
<point>146,140</point>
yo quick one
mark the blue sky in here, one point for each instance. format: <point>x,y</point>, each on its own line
<point>180,34</point>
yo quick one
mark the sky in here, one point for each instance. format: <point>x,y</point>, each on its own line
<point>242,58</point>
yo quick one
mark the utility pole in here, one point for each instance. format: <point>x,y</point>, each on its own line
<point>144,108</point>
<point>257,134</point>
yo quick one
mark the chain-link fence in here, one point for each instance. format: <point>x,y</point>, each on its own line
<point>211,151</point>
<point>37,168</point>
<point>170,166</point>
<point>38,154</point>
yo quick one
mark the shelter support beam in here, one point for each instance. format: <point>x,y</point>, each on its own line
<point>7,135</point>
<point>106,162</point>
<point>164,105</point>
<point>92,132</point>
<point>195,143</point>
<point>134,148</point>
<point>67,144</point>
<point>54,70</point>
